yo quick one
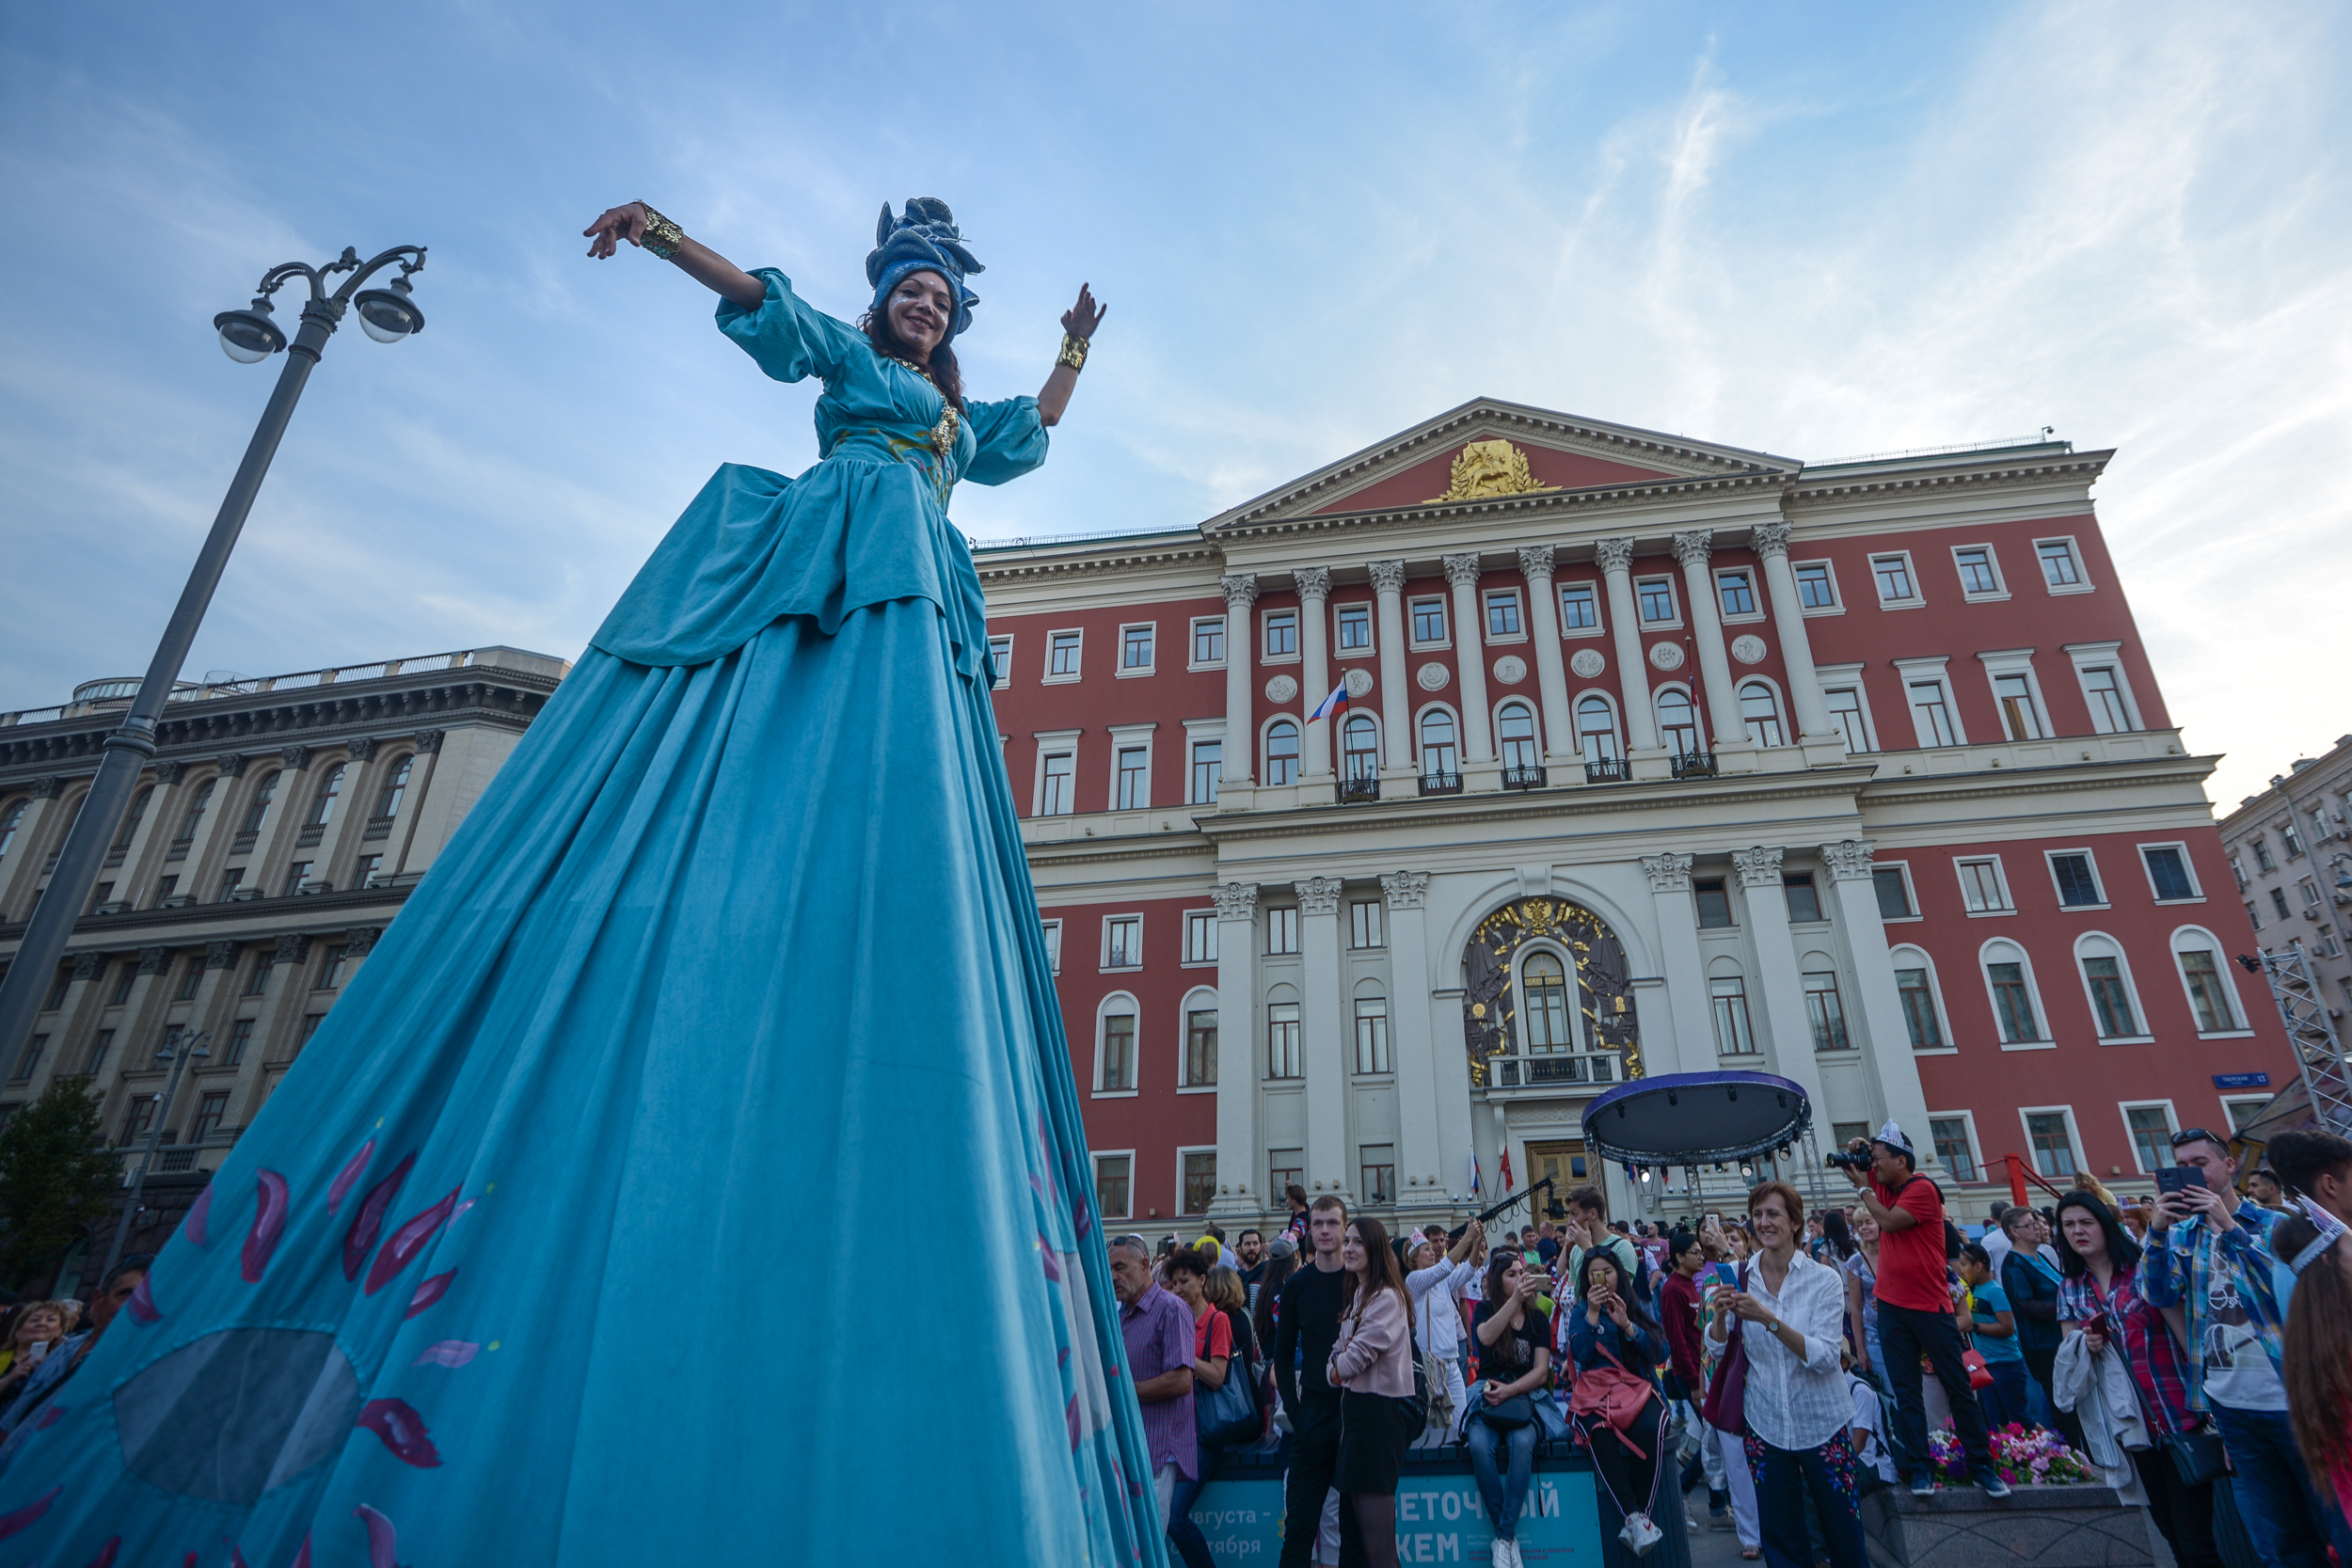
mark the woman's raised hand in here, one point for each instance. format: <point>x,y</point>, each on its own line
<point>1081,319</point>
<point>625,222</point>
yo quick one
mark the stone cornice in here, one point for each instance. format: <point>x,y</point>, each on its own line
<point>313,911</point>
<point>2063,778</point>
<point>2078,467</point>
<point>1100,555</point>
<point>1763,486</point>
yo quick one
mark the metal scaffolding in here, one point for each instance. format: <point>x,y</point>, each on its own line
<point>2318,1053</point>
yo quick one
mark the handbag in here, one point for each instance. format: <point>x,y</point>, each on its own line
<point>1725,1405</point>
<point>1979,1375</point>
<point>1612,1394</point>
<point>2198,1458</point>
<point>1517,1411</point>
<point>1228,1414</point>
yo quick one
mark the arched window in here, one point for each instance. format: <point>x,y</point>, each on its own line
<point>11,819</point>
<point>2009,984</point>
<point>1198,1067</point>
<point>1515,728</point>
<point>395,786</point>
<point>1596,728</point>
<point>1281,752</point>
<point>2107,981</point>
<point>1545,1005</point>
<point>131,819</point>
<point>1440,757</point>
<point>1727,1001</point>
<point>2212,999</point>
<point>1916,992</point>
<point>1678,721</point>
<point>262,794</point>
<point>323,803</point>
<point>1360,742</point>
<point>1759,710</point>
<point>1115,1045</point>
<point>195,818</point>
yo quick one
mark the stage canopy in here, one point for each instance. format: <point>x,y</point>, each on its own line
<point>1689,1118</point>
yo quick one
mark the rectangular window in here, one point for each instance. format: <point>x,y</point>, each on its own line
<point>2053,1150</point>
<point>191,979</point>
<point>2206,996</point>
<point>210,1112</point>
<point>240,1036</point>
<point>1281,1040</point>
<point>1199,1179</point>
<point>2168,871</point>
<point>1428,621</point>
<point>1804,899</point>
<point>331,970</point>
<point>2021,717</point>
<point>1119,1054</point>
<point>2012,1004</point>
<point>2311,893</point>
<point>1053,944</point>
<point>1282,930</point>
<point>1372,1035</point>
<point>1728,1000</point>
<point>2059,567</point>
<point>2077,884</point>
<point>1355,628</point>
<point>2279,902</point>
<point>1059,795</point>
<point>1714,903</point>
<point>126,973</point>
<point>310,1023</point>
<point>1113,1184</point>
<point>233,878</point>
<point>2253,915</point>
<point>98,1049</point>
<point>1816,588</point>
<point>31,1058</point>
<point>1894,891</point>
<point>1737,590</point>
<point>2110,1002</point>
<point>1892,575</point>
<point>364,874</point>
<point>1000,662</point>
<point>1199,936</point>
<point>1980,887</point>
<point>1281,634</point>
<point>1285,1169</point>
<point>166,887</point>
<point>2262,855</point>
<point>1918,1004</point>
<point>2152,1136</point>
<point>1976,573</point>
<point>2104,693</point>
<point>2237,871</point>
<point>298,878</point>
<point>1135,778</point>
<point>1123,942</point>
<point>1063,648</point>
<point>1200,1048</point>
<point>1134,646</point>
<point>1657,598</point>
<point>1363,924</point>
<point>1821,1007</point>
<point>1208,640</point>
<point>1502,614</point>
<point>257,984</point>
<point>1933,713</point>
<point>137,1117</point>
<point>1208,765</point>
<point>1845,711</point>
<point>1953,1147</point>
<point>1580,607</point>
<point>1378,1162</point>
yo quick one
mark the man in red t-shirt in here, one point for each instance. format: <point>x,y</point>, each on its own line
<point>1916,1308</point>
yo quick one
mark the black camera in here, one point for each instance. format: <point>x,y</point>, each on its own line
<point>1849,1160</point>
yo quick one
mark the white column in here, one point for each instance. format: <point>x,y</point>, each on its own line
<point>1396,698</point>
<point>1421,1155</point>
<point>1624,625</point>
<point>1324,1051</point>
<point>1689,1031</point>
<point>1241,746</point>
<point>1796,649</point>
<point>1886,1039</point>
<point>1314,671</point>
<point>1470,659</point>
<point>1239,1161</point>
<point>1723,709</point>
<point>1789,1032</point>
<point>1551,676</point>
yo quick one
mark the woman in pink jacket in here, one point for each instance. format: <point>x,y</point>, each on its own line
<point>1372,1365</point>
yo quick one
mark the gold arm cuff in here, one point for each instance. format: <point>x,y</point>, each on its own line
<point>662,237</point>
<point>1074,353</point>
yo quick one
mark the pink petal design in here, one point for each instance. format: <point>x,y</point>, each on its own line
<point>25,1517</point>
<point>200,1212</point>
<point>51,1416</point>
<point>346,1176</point>
<point>449,1353</point>
<point>236,1557</point>
<point>430,1291</point>
<point>1076,1437</point>
<point>403,1430</point>
<point>302,1558</point>
<point>1046,1252</point>
<point>269,1223</point>
<point>368,1222</point>
<point>409,1241</point>
<point>105,1558</point>
<point>188,1562</point>
<point>142,1303</point>
<point>383,1542</point>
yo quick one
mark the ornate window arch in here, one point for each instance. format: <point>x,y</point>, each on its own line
<point>1115,1018</point>
<point>1277,745</point>
<point>1492,995</point>
<point>1546,977</point>
<point>1196,1026</point>
<point>1760,712</point>
<point>1359,747</point>
<point>2213,999</point>
<point>1440,741</point>
<point>1598,735</point>
<point>1921,996</point>
<point>1678,719</point>
<point>2116,1012</point>
<point>1518,741</point>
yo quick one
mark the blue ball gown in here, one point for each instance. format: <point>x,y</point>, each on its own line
<point>544,1251</point>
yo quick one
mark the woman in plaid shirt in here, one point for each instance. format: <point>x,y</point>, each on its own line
<point>2099,1298</point>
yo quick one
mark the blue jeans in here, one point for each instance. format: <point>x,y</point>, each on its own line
<point>1503,1493</point>
<point>1182,1534</point>
<point>2008,1399</point>
<point>2287,1521</point>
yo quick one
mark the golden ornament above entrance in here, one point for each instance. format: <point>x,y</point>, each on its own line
<point>1493,468</point>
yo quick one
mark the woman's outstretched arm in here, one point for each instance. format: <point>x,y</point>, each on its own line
<point>692,257</point>
<point>1079,321</point>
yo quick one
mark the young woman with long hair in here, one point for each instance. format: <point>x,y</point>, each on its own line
<point>1372,1365</point>
<point>1512,1337</point>
<point>1185,1273</point>
<point>2316,1363</point>
<point>1614,1345</point>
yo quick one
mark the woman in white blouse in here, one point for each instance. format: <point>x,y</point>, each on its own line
<point>1436,1283</point>
<point>1792,1322</point>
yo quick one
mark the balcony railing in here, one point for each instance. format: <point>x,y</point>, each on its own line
<point>1356,789</point>
<point>1515,1072</point>
<point>1606,770</point>
<point>1441,784</point>
<point>1523,778</point>
<point>1694,765</point>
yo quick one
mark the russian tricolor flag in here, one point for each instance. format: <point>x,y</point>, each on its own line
<point>1330,706</point>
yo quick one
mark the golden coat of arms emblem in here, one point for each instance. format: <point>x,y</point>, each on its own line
<point>1493,468</point>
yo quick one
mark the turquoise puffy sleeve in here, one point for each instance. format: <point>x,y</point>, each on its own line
<point>790,338</point>
<point>1011,440</point>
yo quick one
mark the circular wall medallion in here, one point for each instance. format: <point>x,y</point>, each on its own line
<point>1587,662</point>
<point>1432,677</point>
<point>1748,649</point>
<point>1510,669</point>
<point>1358,682</point>
<point>1281,688</point>
<point>1666,655</point>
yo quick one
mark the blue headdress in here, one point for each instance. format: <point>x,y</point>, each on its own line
<point>925,240</point>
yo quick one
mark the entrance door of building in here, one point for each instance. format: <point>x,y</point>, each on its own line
<point>1568,1165</point>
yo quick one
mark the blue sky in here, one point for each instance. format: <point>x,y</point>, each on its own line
<point>1812,229</point>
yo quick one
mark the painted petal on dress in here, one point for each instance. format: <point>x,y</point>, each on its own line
<point>344,1177</point>
<point>200,1212</point>
<point>105,1558</point>
<point>51,1416</point>
<point>449,1353</point>
<point>368,1224</point>
<point>236,1557</point>
<point>302,1558</point>
<point>29,1515</point>
<point>142,1303</point>
<point>269,1223</point>
<point>427,1293</point>
<point>403,1430</point>
<point>1045,1251</point>
<point>409,1241</point>
<point>383,1542</point>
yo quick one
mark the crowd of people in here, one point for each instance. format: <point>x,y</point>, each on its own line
<point>1791,1361</point>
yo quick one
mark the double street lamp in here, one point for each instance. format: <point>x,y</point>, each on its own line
<point>387,314</point>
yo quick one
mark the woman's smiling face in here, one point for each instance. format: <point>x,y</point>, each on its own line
<point>919,309</point>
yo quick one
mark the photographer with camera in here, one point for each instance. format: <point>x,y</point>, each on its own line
<point>1915,1305</point>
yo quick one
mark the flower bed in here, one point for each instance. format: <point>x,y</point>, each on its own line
<point>2023,1455</point>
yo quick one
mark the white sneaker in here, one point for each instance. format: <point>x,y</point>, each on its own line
<point>1506,1554</point>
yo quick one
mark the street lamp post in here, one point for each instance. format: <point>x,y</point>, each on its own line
<point>179,1050</point>
<point>250,336</point>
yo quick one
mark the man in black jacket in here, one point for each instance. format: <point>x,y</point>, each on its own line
<point>1310,1325</point>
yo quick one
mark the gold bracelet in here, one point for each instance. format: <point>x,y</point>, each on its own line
<point>1074,353</point>
<point>662,237</point>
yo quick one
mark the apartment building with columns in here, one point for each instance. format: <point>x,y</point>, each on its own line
<point>279,829</point>
<point>1642,755</point>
